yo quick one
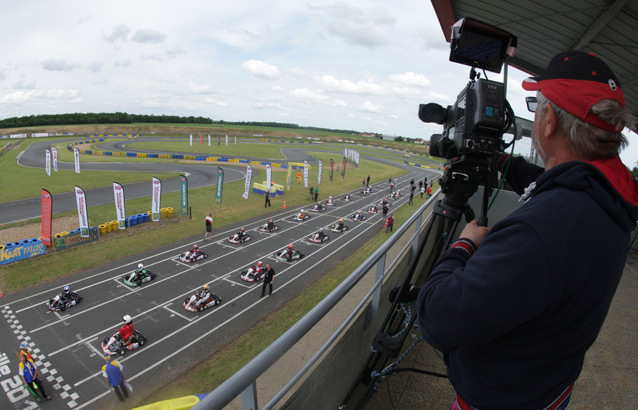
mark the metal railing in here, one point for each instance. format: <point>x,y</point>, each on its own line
<point>244,382</point>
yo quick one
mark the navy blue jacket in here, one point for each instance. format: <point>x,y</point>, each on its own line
<point>515,318</point>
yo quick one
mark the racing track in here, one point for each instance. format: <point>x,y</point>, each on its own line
<point>67,344</point>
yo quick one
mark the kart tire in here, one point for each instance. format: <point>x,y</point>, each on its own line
<point>142,341</point>
<point>63,308</point>
<point>200,308</point>
<point>121,352</point>
<point>79,299</point>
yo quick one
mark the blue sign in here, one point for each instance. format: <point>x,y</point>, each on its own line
<point>19,252</point>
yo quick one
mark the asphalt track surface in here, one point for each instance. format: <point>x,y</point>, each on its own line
<point>67,345</point>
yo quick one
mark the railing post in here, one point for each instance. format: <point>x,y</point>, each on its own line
<point>376,296</point>
<point>249,397</point>
<point>417,237</point>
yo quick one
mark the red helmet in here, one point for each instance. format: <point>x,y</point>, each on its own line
<point>242,229</point>
<point>290,246</point>
<point>260,263</point>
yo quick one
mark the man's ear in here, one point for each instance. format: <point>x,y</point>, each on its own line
<point>549,122</point>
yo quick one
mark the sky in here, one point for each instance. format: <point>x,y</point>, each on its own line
<point>356,65</point>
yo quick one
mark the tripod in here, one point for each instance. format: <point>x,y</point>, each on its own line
<point>458,185</point>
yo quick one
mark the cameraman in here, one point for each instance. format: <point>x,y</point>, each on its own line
<point>514,308</point>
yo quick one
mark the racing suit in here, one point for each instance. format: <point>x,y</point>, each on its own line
<point>203,297</point>
<point>289,254</point>
<point>126,332</point>
<point>271,226</point>
<point>340,226</point>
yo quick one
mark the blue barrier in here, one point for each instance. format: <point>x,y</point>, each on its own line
<point>200,158</point>
<point>88,152</point>
<point>8,245</point>
<point>108,153</point>
<point>131,154</point>
<point>140,218</point>
<point>147,217</point>
<point>133,220</point>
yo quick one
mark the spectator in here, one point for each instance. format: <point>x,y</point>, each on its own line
<point>429,192</point>
<point>368,181</point>
<point>267,203</point>
<point>269,278</point>
<point>391,187</point>
<point>411,202</point>
<point>363,183</point>
<point>422,189</point>
<point>389,223</point>
<point>385,210</point>
<point>316,193</point>
<point>112,371</point>
<point>209,227</point>
<point>514,326</point>
<point>310,193</point>
<point>30,377</point>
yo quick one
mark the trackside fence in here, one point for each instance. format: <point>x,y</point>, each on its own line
<point>356,308</point>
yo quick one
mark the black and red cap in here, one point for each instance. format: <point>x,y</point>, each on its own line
<point>575,81</point>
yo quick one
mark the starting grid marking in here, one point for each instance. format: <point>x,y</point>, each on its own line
<point>44,367</point>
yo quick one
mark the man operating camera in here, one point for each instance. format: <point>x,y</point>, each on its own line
<point>514,308</point>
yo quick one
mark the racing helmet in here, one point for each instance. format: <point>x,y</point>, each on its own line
<point>66,289</point>
<point>24,345</point>
<point>290,246</point>
<point>301,211</point>
<point>140,266</point>
<point>260,263</point>
<point>359,211</point>
<point>242,230</point>
<point>205,287</point>
<point>195,246</point>
<point>270,221</point>
<point>127,319</point>
<point>330,197</point>
<point>341,220</point>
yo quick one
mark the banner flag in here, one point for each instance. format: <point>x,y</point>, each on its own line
<point>235,139</point>
<point>201,140</point>
<point>305,173</point>
<point>332,169</point>
<point>343,173</point>
<point>249,174</point>
<point>190,141</point>
<point>345,152</point>
<point>268,177</point>
<point>226,139</point>
<point>47,211</point>
<point>120,213</point>
<point>220,186</point>
<point>54,153</point>
<point>83,217</point>
<point>289,178</point>
<point>209,140</point>
<point>320,171</point>
<point>76,157</point>
<point>184,193</point>
<point>156,199</point>
<point>47,162</point>
<point>356,157</point>
<point>219,140</point>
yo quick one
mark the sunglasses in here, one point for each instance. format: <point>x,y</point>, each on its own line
<point>532,103</point>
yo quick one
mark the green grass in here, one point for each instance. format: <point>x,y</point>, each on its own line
<point>214,371</point>
<point>118,245</point>
<point>20,182</point>
<point>265,151</point>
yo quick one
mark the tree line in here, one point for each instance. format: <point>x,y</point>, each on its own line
<point>98,118</point>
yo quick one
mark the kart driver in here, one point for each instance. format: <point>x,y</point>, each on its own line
<point>329,201</point>
<point>289,252</point>
<point>258,269</point>
<point>302,214</point>
<point>64,297</point>
<point>126,331</point>
<point>319,235</point>
<point>241,234</point>
<point>340,225</point>
<point>203,295</point>
<point>357,216</point>
<point>195,250</point>
<point>271,225</point>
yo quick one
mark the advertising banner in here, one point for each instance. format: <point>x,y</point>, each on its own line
<point>332,169</point>
<point>220,186</point>
<point>201,140</point>
<point>74,239</point>
<point>226,139</point>
<point>190,141</point>
<point>156,198</point>
<point>343,173</point>
<point>209,140</point>
<point>249,175</point>
<point>235,140</point>
<point>83,215</point>
<point>305,173</point>
<point>47,208</point>
<point>54,153</point>
<point>184,192</point>
<point>319,175</point>
<point>289,178</point>
<point>47,162</point>
<point>268,176</point>
<point>120,213</point>
<point>76,157</point>
<point>25,251</point>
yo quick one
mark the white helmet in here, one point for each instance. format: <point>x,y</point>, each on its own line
<point>127,319</point>
<point>140,266</point>
<point>301,211</point>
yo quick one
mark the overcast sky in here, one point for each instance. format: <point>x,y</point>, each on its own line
<point>360,65</point>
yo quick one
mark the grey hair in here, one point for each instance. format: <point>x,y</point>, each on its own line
<point>586,140</point>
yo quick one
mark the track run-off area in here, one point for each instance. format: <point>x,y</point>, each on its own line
<point>67,345</point>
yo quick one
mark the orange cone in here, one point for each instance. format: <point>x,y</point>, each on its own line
<point>284,207</point>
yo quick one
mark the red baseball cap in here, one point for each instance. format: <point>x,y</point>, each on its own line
<point>575,81</point>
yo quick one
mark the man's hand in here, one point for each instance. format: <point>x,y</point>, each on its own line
<point>474,232</point>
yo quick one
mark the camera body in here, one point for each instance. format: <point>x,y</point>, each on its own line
<point>473,125</point>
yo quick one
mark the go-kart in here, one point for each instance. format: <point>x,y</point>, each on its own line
<point>264,228</point>
<point>115,345</point>
<point>191,304</point>
<point>330,202</point>
<point>252,274</point>
<point>395,195</point>
<point>348,198</point>
<point>188,256</point>
<point>60,302</point>
<point>136,278</point>
<point>282,256</point>
<point>365,192</point>
<point>374,209</point>
<point>318,237</point>
<point>318,208</point>
<point>358,217</point>
<point>300,218</point>
<point>335,228</point>
<point>235,238</point>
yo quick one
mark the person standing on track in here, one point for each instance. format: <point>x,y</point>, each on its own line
<point>269,278</point>
<point>29,375</point>
<point>267,203</point>
<point>209,226</point>
<point>112,370</point>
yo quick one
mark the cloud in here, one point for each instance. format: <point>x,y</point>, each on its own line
<point>216,102</point>
<point>54,64</point>
<point>262,105</point>
<point>368,106</point>
<point>122,63</point>
<point>306,94</point>
<point>199,88</point>
<point>277,88</point>
<point>260,69</point>
<point>411,79</point>
<point>350,87</point>
<point>23,84</point>
<point>20,97</point>
<point>165,55</point>
<point>147,36</point>
<point>95,67</point>
<point>119,33</point>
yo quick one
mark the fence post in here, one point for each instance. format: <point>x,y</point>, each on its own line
<point>376,296</point>
<point>249,397</point>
